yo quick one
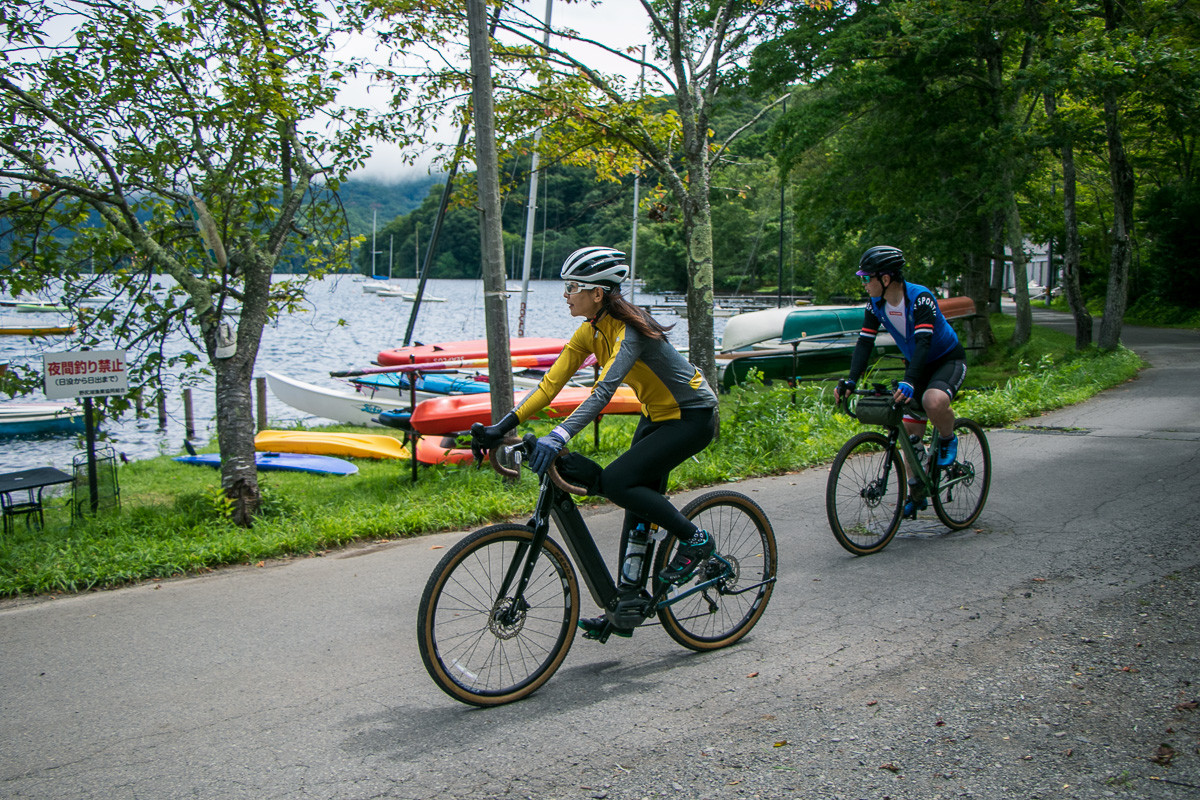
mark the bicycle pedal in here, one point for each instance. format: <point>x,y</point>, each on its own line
<point>598,630</point>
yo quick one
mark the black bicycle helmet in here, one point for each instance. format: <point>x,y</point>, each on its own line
<point>601,266</point>
<point>881,260</point>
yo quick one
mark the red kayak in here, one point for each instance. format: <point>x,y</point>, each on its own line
<point>473,348</point>
<point>457,413</point>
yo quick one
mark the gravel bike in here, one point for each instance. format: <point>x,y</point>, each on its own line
<point>498,614</point>
<point>868,485</point>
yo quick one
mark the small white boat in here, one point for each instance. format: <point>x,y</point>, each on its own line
<point>19,419</point>
<point>389,291</point>
<point>352,408</point>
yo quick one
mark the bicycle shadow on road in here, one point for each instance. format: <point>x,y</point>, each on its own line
<point>403,731</point>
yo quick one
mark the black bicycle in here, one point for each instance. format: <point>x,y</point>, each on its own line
<point>868,485</point>
<point>499,612</point>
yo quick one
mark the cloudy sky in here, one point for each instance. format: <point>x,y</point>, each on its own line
<point>616,23</point>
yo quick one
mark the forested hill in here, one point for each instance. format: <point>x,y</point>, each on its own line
<point>363,197</point>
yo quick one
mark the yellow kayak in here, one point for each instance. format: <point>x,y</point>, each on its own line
<point>356,445</point>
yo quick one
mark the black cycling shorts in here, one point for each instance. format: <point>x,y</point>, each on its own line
<point>947,374</point>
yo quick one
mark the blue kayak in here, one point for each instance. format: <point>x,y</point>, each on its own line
<point>432,382</point>
<point>282,462</point>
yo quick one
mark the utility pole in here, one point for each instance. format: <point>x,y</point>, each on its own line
<point>495,298</point>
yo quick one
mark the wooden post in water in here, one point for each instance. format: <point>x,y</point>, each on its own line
<point>260,387</point>
<point>161,399</point>
<point>189,422</point>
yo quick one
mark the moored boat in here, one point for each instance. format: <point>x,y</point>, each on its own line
<point>784,343</point>
<point>23,419</point>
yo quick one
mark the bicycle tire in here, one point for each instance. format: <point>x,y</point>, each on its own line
<point>471,653</point>
<point>959,505</point>
<point>863,508</point>
<point>716,618</point>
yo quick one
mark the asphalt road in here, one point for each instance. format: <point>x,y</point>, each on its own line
<point>866,677</point>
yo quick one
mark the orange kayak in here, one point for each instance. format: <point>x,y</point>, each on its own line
<point>455,414</point>
<point>442,450</point>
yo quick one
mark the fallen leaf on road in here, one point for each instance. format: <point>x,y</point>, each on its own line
<point>890,766</point>
<point>1187,705</point>
<point>752,675</point>
<point>872,703</point>
<point>781,743</point>
<point>438,547</point>
<point>1163,754</point>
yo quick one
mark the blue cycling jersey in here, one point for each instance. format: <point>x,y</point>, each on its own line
<point>927,334</point>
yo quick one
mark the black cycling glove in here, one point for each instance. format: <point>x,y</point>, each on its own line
<point>484,438</point>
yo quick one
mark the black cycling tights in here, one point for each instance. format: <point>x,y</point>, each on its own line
<point>636,479</point>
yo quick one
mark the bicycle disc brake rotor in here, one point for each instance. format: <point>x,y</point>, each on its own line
<point>507,617</point>
<point>874,492</point>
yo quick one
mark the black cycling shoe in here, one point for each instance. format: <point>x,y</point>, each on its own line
<point>600,628</point>
<point>688,557</point>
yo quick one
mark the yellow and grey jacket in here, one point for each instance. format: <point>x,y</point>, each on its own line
<point>663,380</point>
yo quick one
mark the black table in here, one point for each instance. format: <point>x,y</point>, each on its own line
<point>30,481</point>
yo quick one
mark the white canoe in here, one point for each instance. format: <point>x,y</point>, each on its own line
<point>351,408</point>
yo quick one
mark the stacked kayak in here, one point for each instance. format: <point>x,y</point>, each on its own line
<point>351,408</point>
<point>281,462</point>
<point>445,415</point>
<point>354,445</point>
<point>470,349</point>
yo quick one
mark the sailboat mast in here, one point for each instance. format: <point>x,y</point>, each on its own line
<point>531,206</point>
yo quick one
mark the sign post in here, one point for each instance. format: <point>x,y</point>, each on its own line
<point>86,374</point>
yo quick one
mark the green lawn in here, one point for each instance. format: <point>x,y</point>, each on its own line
<point>173,516</point>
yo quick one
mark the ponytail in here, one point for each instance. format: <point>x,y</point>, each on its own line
<point>619,308</point>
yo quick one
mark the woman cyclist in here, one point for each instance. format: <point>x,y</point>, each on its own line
<point>678,407</point>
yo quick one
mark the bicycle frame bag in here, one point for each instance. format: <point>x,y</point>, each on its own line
<point>878,411</point>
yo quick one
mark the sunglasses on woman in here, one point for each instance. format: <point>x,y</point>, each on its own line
<point>575,287</point>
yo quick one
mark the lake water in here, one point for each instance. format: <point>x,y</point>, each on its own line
<point>306,346</point>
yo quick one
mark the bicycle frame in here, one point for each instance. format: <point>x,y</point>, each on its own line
<point>932,480</point>
<point>554,502</point>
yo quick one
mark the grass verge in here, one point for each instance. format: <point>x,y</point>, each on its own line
<point>173,517</point>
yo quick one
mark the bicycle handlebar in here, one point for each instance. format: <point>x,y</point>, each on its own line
<point>523,449</point>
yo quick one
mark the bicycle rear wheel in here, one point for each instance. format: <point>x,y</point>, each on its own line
<point>721,614</point>
<point>485,649</point>
<point>969,477</point>
<point>864,496</point>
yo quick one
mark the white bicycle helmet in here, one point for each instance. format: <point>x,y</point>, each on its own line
<point>599,266</point>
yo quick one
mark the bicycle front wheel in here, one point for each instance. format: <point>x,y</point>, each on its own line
<point>962,487</point>
<point>864,497</point>
<point>486,648</point>
<point>723,613</point>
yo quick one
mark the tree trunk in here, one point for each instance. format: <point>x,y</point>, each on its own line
<point>495,305</point>
<point>1071,247</point>
<point>1121,175</point>
<point>700,300</point>
<point>999,265</point>
<point>977,285</point>
<point>1016,244</point>
<point>234,401</point>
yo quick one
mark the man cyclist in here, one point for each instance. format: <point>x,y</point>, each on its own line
<point>678,408</point>
<point>935,364</point>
